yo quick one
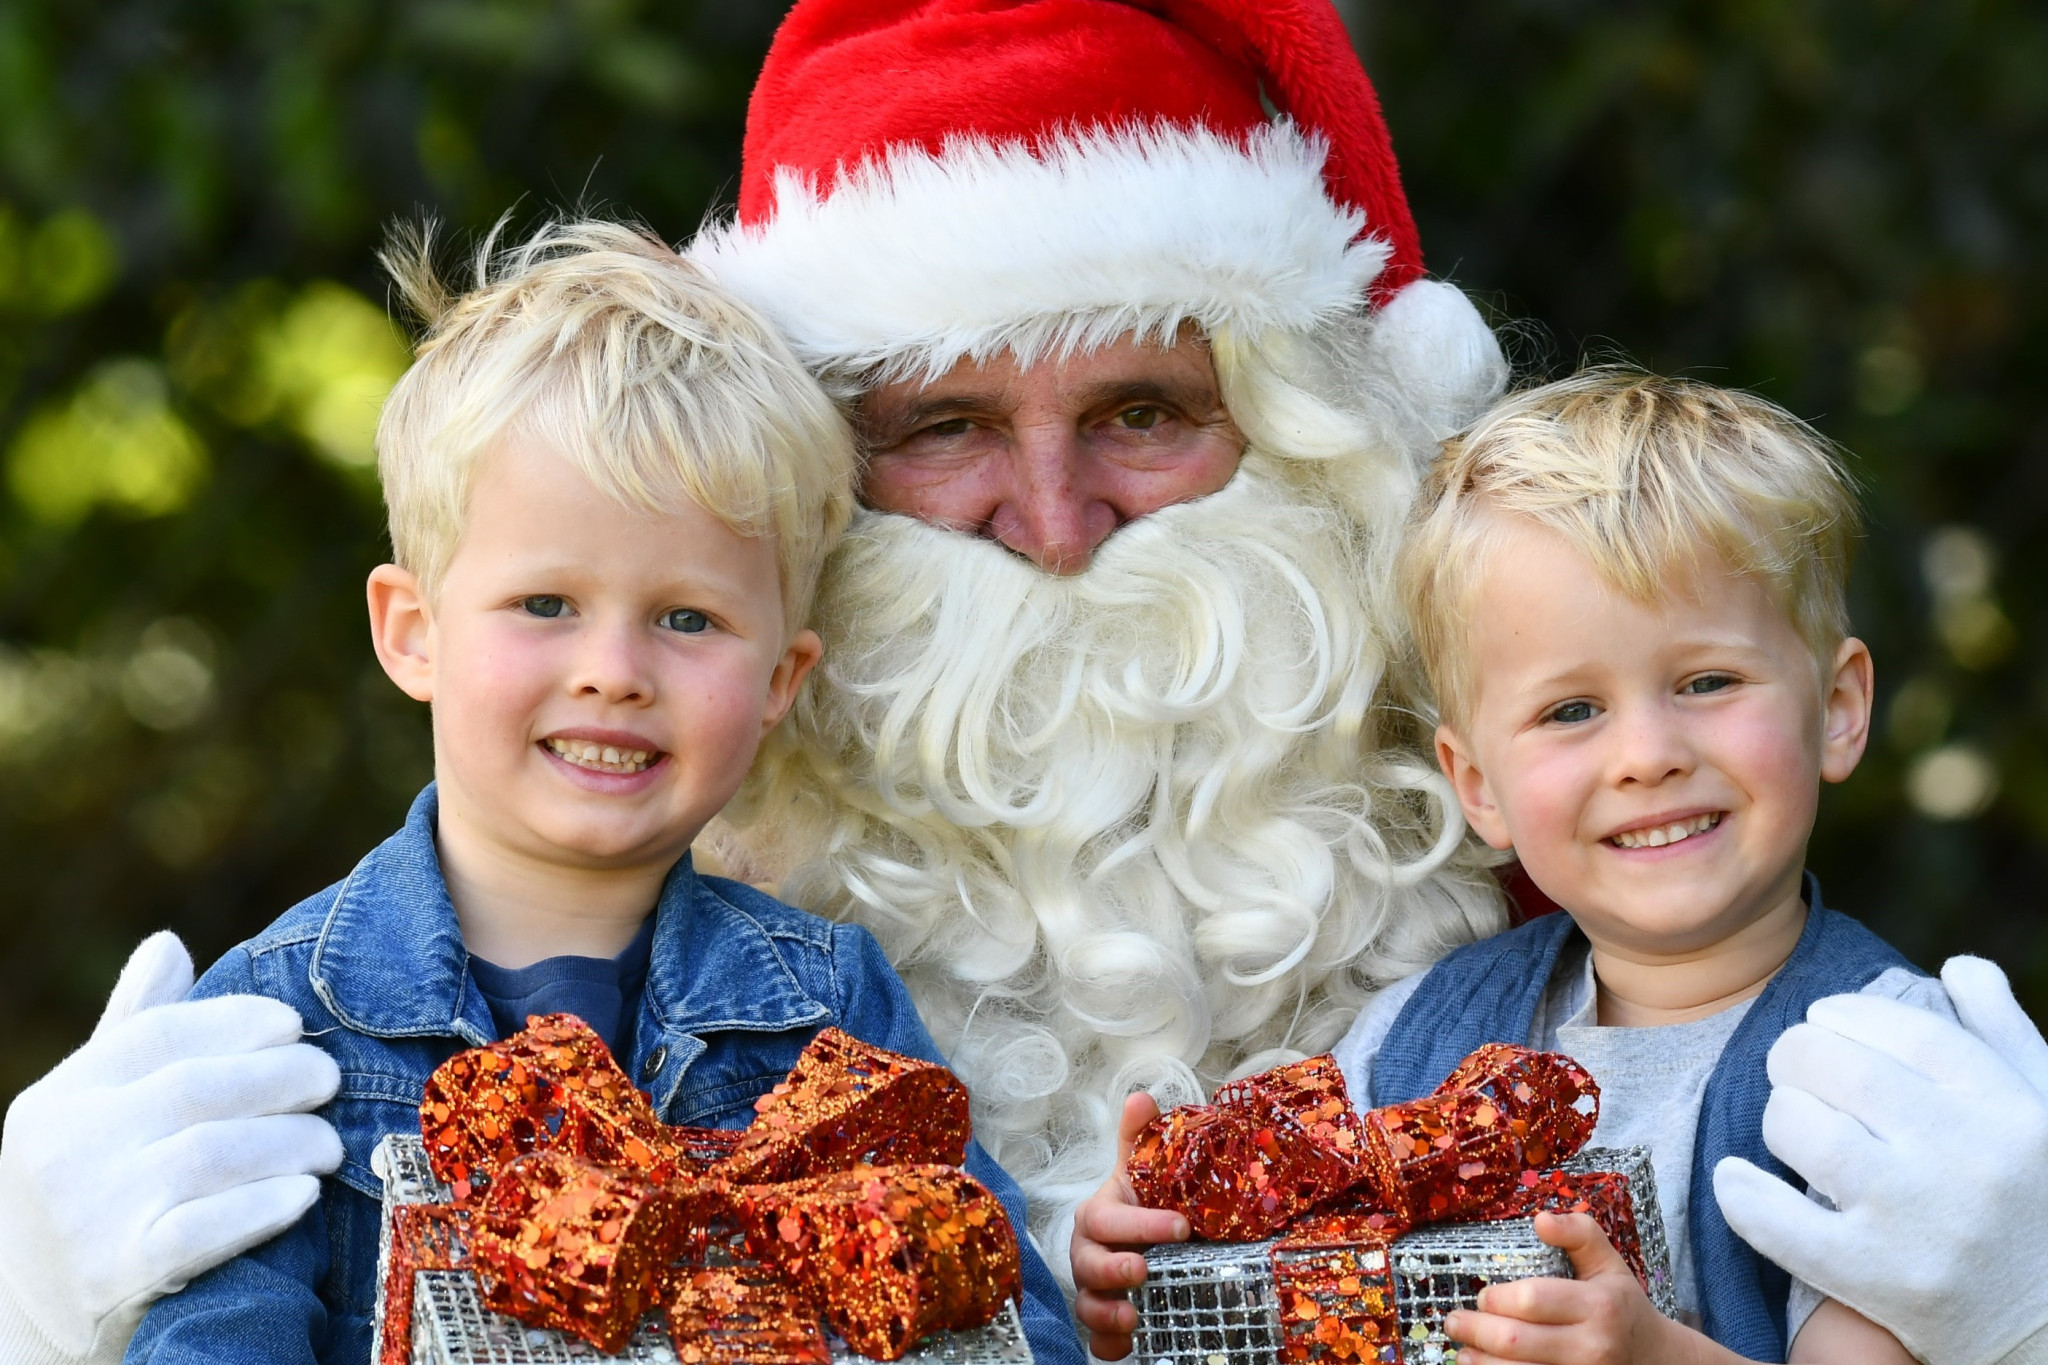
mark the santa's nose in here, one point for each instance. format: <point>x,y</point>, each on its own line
<point>1052,503</point>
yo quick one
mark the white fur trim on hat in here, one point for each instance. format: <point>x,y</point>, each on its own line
<point>914,261</point>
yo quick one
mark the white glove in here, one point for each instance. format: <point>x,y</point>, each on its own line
<point>173,1140</point>
<point>1932,1141</point>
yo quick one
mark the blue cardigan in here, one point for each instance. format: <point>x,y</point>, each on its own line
<point>1488,992</point>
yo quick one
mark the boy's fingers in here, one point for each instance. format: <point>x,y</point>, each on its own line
<point>1544,1300</point>
<point>1106,1270</point>
<point>1139,1109</point>
<point>1105,1312</point>
<point>1583,1240</point>
<point>1109,1323</point>
<point>1508,1338</point>
<point>1115,1222</point>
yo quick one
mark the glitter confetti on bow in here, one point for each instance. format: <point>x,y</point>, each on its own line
<point>1273,1146</point>
<point>554,1087</point>
<point>846,1104</point>
<point>1268,1149</point>
<point>1285,1152</point>
<point>842,1202</point>
<point>893,1254</point>
<point>564,1243</point>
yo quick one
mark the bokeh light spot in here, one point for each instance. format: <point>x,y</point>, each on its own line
<point>1958,562</point>
<point>168,681</point>
<point>1919,715</point>
<point>1954,782</point>
<point>60,265</point>
<point>71,261</point>
<point>331,358</point>
<point>116,441</point>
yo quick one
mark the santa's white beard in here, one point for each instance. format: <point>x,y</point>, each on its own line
<point>1140,827</point>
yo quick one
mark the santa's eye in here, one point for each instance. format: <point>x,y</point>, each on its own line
<point>952,426</point>
<point>1140,418</point>
<point>545,605</point>
<point>685,620</point>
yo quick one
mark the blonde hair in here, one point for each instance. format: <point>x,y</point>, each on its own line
<point>656,383</point>
<point>1652,480</point>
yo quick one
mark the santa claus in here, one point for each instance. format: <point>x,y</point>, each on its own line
<point>1106,750</point>
<point>1111,748</point>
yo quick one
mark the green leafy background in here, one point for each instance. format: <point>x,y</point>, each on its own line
<point>1836,202</point>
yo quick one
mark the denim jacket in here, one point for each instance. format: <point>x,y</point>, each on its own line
<point>738,984</point>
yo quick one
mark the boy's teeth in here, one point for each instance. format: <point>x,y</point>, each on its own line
<point>1661,835</point>
<point>602,758</point>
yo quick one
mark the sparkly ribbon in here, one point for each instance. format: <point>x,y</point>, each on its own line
<point>1286,1152</point>
<point>580,1211</point>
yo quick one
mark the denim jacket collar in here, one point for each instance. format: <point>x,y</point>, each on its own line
<point>390,960</point>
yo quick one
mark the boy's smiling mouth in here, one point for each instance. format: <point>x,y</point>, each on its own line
<point>1670,832</point>
<point>601,758</point>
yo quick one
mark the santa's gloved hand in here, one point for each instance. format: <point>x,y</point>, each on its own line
<point>1932,1141</point>
<point>173,1140</point>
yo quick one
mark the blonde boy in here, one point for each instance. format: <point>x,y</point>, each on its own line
<point>611,487</point>
<point>1627,593</point>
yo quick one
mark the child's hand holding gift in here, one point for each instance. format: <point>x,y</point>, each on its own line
<point>1601,1317</point>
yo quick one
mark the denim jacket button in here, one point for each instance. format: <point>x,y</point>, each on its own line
<point>651,1068</point>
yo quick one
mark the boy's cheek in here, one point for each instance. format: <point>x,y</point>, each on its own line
<point>1543,803</point>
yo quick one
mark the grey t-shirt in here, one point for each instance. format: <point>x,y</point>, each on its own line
<point>1652,1081</point>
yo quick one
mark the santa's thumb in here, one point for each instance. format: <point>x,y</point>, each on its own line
<point>159,972</point>
<point>1582,1239</point>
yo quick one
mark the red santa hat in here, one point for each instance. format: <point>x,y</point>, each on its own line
<point>930,179</point>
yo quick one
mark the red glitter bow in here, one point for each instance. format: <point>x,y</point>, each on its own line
<point>580,1211</point>
<point>1285,1152</point>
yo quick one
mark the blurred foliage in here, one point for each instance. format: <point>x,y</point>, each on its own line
<point>1832,202</point>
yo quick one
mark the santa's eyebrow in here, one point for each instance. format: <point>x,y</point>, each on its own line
<point>893,423</point>
<point>923,410</point>
<point>1193,398</point>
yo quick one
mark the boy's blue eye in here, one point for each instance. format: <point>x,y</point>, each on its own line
<point>1573,712</point>
<point>1712,682</point>
<point>546,605</point>
<point>685,620</point>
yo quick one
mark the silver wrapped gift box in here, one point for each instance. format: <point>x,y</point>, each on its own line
<point>451,1326</point>
<point>1214,1303</point>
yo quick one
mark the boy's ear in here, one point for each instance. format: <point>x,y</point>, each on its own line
<point>1845,713</point>
<point>1469,783</point>
<point>799,657</point>
<point>402,630</point>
